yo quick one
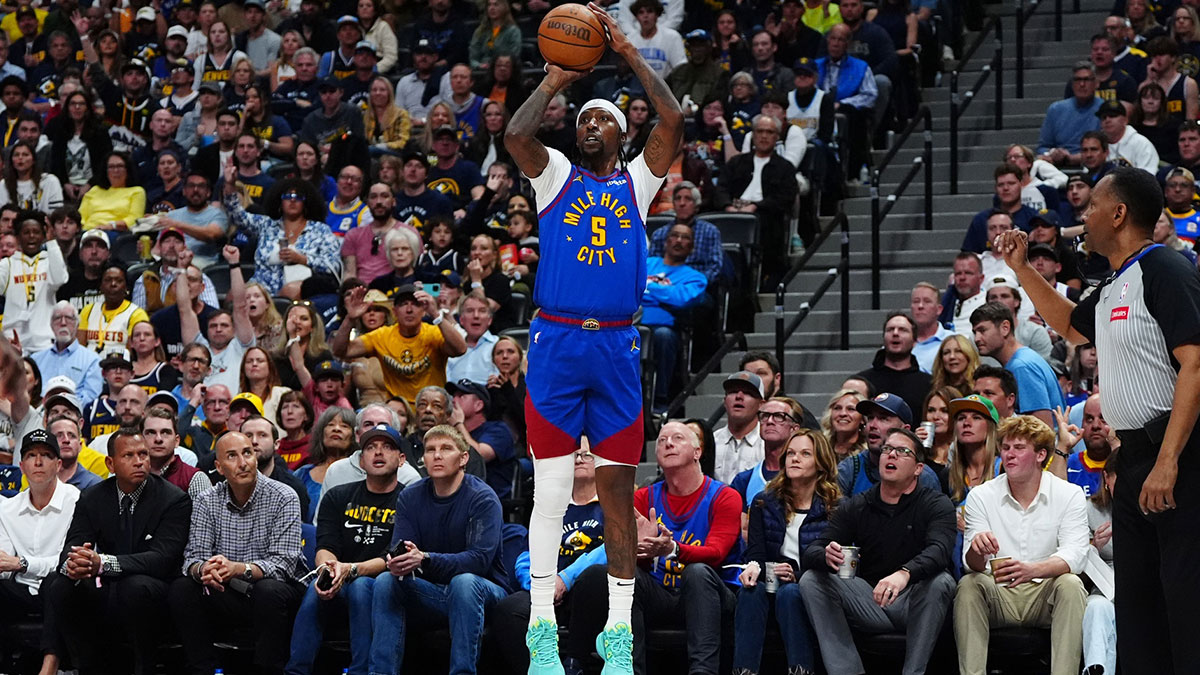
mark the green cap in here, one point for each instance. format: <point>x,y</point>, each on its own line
<point>979,404</point>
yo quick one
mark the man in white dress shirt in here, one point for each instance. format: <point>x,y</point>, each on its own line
<point>33,527</point>
<point>1028,539</point>
<point>739,446</point>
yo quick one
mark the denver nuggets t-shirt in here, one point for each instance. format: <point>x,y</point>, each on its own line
<point>356,524</point>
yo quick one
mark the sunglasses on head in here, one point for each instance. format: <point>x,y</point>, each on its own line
<point>295,196</point>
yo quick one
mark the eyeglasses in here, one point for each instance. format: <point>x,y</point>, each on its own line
<point>776,417</point>
<point>293,196</point>
<point>898,450</point>
<point>584,456</point>
<point>196,359</point>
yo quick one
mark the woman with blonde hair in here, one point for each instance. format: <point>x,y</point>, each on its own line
<point>507,388</point>
<point>281,69</point>
<point>1037,171</point>
<point>1185,28</point>
<point>259,377</point>
<point>955,364</point>
<point>387,126</point>
<point>304,344</point>
<point>497,34</point>
<point>974,455</point>
<point>936,409</point>
<point>843,425</point>
<point>785,517</point>
<point>391,172</point>
<point>241,77</point>
<point>268,323</point>
<point>440,115</point>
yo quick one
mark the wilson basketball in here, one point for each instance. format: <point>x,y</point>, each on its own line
<point>571,37</point>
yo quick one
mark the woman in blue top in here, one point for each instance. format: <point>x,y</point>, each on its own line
<point>789,513</point>
<point>293,243</point>
<point>974,456</point>
<point>332,439</point>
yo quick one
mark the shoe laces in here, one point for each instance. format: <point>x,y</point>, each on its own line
<point>543,643</point>
<point>618,646</point>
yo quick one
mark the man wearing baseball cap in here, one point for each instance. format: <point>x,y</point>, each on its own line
<point>33,527</point>
<point>366,57</point>
<point>882,414</point>
<point>1005,290</point>
<point>326,386</point>
<point>701,75</point>
<point>155,287</point>
<point>83,287</point>
<point>353,535</point>
<point>411,89</point>
<point>738,444</point>
<point>334,118</point>
<point>339,63</point>
<point>260,43</point>
<point>492,439</point>
<point>416,204</point>
<point>127,108</point>
<point>424,347</point>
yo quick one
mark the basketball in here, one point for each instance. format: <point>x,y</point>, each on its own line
<point>571,37</point>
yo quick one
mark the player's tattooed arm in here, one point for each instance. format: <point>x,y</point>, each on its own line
<point>667,136</point>
<point>520,139</point>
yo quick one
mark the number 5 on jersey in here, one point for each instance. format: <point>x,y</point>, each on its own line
<point>598,236</point>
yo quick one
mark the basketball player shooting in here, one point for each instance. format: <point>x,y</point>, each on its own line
<point>583,350</point>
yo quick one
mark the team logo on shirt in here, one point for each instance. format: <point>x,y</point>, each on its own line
<point>1119,314</point>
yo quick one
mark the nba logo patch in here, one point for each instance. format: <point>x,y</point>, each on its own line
<point>1124,290</point>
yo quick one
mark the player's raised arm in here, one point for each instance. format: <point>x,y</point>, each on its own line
<point>667,136</point>
<point>526,150</point>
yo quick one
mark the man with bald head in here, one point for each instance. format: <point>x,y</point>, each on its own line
<point>686,579</point>
<point>241,574</point>
<point>131,405</point>
<point>199,436</point>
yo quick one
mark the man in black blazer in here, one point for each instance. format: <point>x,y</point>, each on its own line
<point>207,161</point>
<point>773,198</point>
<point>124,546</point>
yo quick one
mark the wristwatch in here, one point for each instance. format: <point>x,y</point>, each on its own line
<point>24,565</point>
<point>248,573</point>
<point>353,572</point>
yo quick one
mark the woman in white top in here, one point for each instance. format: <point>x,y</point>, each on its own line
<point>281,68</point>
<point>24,183</point>
<point>379,32</point>
<point>217,64</point>
<point>1037,171</point>
<point>1099,616</point>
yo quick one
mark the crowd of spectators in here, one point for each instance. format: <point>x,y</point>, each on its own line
<point>261,260</point>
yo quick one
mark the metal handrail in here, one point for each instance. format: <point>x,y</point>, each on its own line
<point>959,106</point>
<point>782,331</point>
<point>925,117</point>
<point>1021,18</point>
<point>710,366</point>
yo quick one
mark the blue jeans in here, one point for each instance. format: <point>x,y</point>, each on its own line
<point>463,604</point>
<point>750,626</point>
<point>309,629</point>
<point>1100,633</point>
<point>666,354</point>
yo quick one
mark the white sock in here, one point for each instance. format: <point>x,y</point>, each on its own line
<point>553,479</point>
<point>620,602</point>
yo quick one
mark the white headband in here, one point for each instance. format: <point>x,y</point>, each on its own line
<point>604,104</point>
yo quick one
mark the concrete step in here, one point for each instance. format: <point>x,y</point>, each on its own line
<point>936,273</point>
<point>893,259</point>
<point>860,299</point>
<point>804,380</point>
<point>817,361</point>
<point>813,340</point>
<point>828,320</point>
<point>942,203</point>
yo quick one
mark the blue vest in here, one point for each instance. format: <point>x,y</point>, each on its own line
<point>690,528</point>
<point>593,245</point>
<point>850,75</point>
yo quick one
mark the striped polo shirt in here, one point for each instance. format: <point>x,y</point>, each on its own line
<point>1135,318</point>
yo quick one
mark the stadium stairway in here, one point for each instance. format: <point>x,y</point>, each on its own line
<point>814,365</point>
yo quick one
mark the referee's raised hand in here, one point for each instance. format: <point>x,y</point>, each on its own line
<point>1014,246</point>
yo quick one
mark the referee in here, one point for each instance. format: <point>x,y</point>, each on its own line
<point>1145,322</point>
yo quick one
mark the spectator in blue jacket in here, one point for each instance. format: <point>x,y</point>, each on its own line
<point>444,560</point>
<point>854,84</point>
<point>785,518</point>
<point>671,286</point>
<point>1066,120</point>
<point>707,255</point>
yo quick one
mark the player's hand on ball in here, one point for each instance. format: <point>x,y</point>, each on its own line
<point>616,37</point>
<point>560,78</point>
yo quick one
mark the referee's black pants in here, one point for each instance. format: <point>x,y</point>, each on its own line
<point>1156,563</point>
<point>91,621</point>
<point>262,620</point>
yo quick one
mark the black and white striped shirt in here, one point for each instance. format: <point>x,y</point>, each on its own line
<point>1135,318</point>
